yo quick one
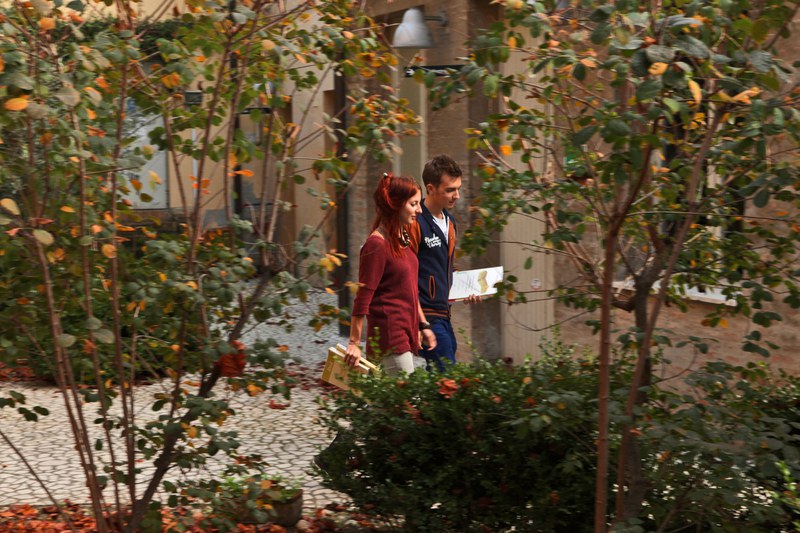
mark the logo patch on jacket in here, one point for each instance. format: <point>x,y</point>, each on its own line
<point>433,242</point>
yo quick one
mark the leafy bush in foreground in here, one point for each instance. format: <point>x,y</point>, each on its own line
<point>490,447</point>
<point>482,446</point>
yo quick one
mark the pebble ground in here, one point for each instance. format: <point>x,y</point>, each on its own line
<point>287,438</point>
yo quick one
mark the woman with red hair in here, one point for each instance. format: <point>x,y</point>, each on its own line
<point>387,277</point>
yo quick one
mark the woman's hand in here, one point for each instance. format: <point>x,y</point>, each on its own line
<point>352,356</point>
<point>427,339</point>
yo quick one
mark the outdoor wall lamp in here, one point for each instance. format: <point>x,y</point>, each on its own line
<point>413,32</point>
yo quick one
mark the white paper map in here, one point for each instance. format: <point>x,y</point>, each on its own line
<point>480,281</point>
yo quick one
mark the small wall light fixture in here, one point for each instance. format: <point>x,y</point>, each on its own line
<point>413,32</point>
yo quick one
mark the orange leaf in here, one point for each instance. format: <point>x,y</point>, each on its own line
<point>67,209</point>
<point>109,250</point>
<point>505,149</point>
<point>231,365</point>
<point>657,69</point>
<point>245,172</point>
<point>47,23</point>
<point>16,104</point>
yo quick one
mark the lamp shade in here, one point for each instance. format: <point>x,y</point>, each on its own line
<point>412,31</point>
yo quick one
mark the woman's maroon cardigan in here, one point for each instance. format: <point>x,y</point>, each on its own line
<point>388,296</point>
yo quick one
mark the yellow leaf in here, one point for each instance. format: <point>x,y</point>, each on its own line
<point>192,284</point>
<point>10,205</point>
<point>67,209</point>
<point>512,42</point>
<point>154,178</point>
<point>697,94</point>
<point>329,290</point>
<point>44,237</point>
<point>723,323</point>
<point>109,250</point>
<point>94,94</point>
<point>16,104</point>
<point>657,69</point>
<point>96,228</point>
<point>334,259</point>
<point>254,390</point>
<point>162,277</point>
<point>267,45</point>
<point>347,34</point>
<point>505,149</point>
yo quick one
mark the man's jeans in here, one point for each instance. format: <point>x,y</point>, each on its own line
<point>444,355</point>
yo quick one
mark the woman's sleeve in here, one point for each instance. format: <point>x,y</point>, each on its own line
<point>371,263</point>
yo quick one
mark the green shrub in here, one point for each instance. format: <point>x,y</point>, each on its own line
<point>492,447</point>
<point>484,446</point>
<point>713,452</point>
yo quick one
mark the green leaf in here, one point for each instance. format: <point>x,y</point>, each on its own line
<point>65,340</point>
<point>93,323</point>
<point>659,54</point>
<point>761,60</point>
<point>68,95</point>
<point>639,63</point>
<point>528,263</point>
<point>674,106</point>
<point>579,72</point>
<point>106,336</point>
<point>648,90</point>
<point>618,127</point>
<point>583,136</point>
<point>18,80</point>
<point>490,85</point>
<point>761,199</point>
<point>692,46</point>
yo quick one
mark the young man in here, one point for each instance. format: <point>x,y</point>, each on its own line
<point>433,238</point>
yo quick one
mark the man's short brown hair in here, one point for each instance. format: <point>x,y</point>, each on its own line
<point>438,166</point>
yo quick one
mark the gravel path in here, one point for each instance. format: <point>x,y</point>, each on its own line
<point>287,438</point>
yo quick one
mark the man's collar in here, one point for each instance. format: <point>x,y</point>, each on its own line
<point>428,211</point>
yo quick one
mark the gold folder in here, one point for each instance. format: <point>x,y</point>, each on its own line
<point>337,372</point>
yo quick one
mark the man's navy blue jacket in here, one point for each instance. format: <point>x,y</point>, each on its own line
<point>436,255</point>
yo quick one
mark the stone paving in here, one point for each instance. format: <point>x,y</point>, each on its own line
<point>287,438</point>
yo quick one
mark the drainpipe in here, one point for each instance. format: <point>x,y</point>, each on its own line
<point>342,274</point>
